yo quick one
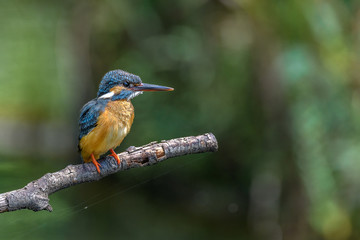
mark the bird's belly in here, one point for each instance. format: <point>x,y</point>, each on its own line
<point>113,126</point>
<point>115,135</point>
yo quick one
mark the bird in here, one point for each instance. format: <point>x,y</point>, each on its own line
<point>106,120</point>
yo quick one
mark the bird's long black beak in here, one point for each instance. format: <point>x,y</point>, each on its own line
<point>151,88</point>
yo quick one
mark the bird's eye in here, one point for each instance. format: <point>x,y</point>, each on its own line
<point>126,84</point>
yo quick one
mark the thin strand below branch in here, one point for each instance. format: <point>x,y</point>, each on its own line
<point>35,195</point>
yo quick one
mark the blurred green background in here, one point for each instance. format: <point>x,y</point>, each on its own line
<point>277,82</point>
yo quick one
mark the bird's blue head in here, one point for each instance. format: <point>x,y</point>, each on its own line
<point>121,85</point>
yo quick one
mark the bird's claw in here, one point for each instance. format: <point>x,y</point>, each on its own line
<point>113,154</point>
<point>97,165</point>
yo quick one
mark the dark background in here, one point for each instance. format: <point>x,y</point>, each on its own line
<point>277,82</point>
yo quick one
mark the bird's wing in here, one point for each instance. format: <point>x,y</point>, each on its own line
<point>89,115</point>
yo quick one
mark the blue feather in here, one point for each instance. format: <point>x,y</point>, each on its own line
<point>89,115</point>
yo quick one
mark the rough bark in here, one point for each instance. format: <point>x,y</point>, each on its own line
<point>35,195</point>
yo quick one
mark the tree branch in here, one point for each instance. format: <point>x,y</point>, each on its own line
<point>35,195</point>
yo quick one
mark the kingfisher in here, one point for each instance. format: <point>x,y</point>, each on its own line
<point>106,120</point>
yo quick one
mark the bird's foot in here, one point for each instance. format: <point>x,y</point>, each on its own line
<point>97,165</point>
<point>113,153</point>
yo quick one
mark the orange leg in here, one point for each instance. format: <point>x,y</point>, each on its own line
<point>95,163</point>
<point>113,153</point>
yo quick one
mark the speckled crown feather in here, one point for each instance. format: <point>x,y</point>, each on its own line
<point>114,78</point>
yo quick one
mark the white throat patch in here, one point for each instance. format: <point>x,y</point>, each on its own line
<point>107,95</point>
<point>111,94</point>
<point>134,94</point>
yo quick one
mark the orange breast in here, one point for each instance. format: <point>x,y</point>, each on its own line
<point>112,127</point>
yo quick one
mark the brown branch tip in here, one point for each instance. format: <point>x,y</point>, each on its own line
<point>35,195</point>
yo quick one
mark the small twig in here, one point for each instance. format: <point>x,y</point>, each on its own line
<point>35,195</point>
